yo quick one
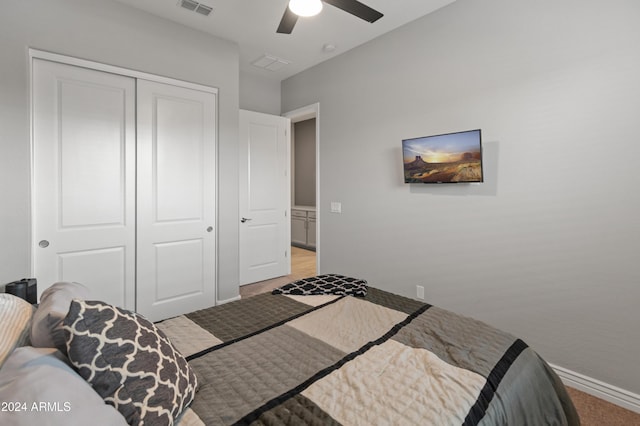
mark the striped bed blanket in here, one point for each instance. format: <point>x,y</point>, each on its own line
<point>381,359</point>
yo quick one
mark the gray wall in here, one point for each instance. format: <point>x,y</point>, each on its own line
<point>259,93</point>
<point>548,247</point>
<point>304,137</point>
<point>115,34</point>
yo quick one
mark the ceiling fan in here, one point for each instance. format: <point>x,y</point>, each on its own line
<point>297,8</point>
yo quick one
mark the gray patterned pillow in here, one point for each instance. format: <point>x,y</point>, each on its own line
<point>325,284</point>
<point>128,362</point>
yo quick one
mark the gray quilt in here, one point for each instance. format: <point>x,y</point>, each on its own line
<point>378,360</point>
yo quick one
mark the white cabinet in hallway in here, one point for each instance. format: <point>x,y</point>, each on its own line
<point>303,227</point>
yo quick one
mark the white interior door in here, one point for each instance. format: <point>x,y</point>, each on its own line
<point>264,197</point>
<point>83,185</point>
<point>176,200</point>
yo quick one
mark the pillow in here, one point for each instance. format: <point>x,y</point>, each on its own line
<point>129,362</point>
<point>15,323</point>
<point>46,330</point>
<point>37,387</point>
<point>334,284</point>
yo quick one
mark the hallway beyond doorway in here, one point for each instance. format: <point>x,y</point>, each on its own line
<point>303,264</point>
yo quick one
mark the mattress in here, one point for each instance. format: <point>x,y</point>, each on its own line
<point>381,359</point>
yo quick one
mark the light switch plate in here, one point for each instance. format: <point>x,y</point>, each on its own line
<point>336,207</point>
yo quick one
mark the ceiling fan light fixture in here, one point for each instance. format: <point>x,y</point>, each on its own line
<point>305,7</point>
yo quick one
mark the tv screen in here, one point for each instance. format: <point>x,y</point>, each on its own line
<point>449,158</point>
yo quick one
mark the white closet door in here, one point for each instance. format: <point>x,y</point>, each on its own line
<point>84,180</point>
<point>176,200</point>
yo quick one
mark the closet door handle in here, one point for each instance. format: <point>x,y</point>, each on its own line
<point>245,219</point>
<point>44,244</point>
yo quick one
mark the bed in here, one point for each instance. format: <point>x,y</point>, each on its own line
<point>321,359</point>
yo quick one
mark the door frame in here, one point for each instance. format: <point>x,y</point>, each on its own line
<point>301,114</point>
<point>99,66</point>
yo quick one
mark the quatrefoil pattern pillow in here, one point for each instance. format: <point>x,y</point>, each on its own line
<point>129,362</point>
<point>325,284</point>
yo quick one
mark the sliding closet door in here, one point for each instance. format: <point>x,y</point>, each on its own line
<point>176,199</point>
<point>84,180</point>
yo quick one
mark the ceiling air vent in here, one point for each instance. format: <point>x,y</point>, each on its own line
<point>194,6</point>
<point>203,9</point>
<point>270,62</point>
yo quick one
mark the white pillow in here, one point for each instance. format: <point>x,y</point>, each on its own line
<point>46,330</point>
<point>15,323</point>
<point>39,388</point>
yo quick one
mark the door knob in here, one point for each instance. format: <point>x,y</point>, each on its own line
<point>245,219</point>
<point>44,244</point>
<point>210,228</point>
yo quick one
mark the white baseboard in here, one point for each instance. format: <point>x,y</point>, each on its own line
<point>233,299</point>
<point>610,393</point>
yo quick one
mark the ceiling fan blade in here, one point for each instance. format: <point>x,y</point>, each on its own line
<point>356,8</point>
<point>288,21</point>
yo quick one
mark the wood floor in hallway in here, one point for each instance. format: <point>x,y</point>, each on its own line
<point>303,264</point>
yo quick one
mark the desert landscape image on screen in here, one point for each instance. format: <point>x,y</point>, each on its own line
<point>450,158</point>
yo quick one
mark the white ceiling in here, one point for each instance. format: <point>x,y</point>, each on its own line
<point>252,25</point>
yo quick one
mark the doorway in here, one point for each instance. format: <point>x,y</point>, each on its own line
<point>304,262</point>
<point>305,219</point>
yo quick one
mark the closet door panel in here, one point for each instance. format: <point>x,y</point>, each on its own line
<point>91,154</point>
<point>105,266</point>
<point>83,184</point>
<point>176,199</point>
<point>179,168</point>
<point>189,279</point>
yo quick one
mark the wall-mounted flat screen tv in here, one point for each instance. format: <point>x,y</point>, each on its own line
<point>449,158</point>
